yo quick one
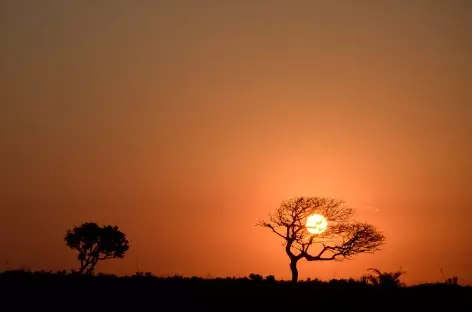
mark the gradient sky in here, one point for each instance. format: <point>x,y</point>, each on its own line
<point>184,122</point>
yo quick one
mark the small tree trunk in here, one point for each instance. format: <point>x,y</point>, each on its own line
<point>83,267</point>
<point>293,268</point>
<point>91,268</point>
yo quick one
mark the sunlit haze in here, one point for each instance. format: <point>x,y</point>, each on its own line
<point>185,122</point>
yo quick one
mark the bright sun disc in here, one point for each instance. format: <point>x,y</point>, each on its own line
<point>316,224</point>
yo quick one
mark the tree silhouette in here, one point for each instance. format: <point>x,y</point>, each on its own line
<point>384,279</point>
<point>96,243</point>
<point>342,239</point>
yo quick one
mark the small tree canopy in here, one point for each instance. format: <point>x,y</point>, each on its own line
<point>95,243</point>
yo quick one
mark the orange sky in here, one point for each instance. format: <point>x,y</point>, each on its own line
<point>184,122</point>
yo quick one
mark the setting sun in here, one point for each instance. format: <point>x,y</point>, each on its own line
<point>316,224</point>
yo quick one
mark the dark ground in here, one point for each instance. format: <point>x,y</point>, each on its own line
<point>38,291</point>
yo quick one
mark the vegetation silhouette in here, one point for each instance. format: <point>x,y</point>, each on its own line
<point>342,239</point>
<point>96,243</point>
<point>384,279</point>
<point>143,290</point>
<point>85,290</point>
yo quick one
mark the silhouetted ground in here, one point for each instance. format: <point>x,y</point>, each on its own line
<point>35,291</point>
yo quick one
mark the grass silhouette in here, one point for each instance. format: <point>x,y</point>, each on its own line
<point>26,290</point>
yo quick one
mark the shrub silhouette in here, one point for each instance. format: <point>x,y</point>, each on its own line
<point>383,279</point>
<point>452,281</point>
<point>96,243</point>
<point>255,277</point>
<point>136,293</point>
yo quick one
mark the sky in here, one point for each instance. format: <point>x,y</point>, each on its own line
<point>185,122</point>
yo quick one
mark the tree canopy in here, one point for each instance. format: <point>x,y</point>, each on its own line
<point>342,239</point>
<point>96,243</point>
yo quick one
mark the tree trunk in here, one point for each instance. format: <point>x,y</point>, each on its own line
<point>293,268</point>
<point>83,266</point>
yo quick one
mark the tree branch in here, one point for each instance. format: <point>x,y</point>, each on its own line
<point>270,226</point>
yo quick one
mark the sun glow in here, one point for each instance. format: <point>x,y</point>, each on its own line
<point>316,224</point>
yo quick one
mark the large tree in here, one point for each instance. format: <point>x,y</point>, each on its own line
<point>342,238</point>
<point>96,243</point>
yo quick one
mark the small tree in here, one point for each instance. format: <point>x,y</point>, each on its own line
<point>342,239</point>
<point>95,243</point>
